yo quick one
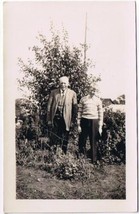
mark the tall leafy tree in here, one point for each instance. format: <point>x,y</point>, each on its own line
<point>52,59</point>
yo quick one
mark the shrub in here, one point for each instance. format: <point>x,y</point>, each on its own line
<point>113,137</point>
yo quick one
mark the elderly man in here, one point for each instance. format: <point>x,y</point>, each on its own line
<point>90,121</point>
<point>62,108</point>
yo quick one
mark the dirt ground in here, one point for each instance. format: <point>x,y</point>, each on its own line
<point>107,182</point>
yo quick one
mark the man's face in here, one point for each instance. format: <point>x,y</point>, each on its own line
<point>63,85</point>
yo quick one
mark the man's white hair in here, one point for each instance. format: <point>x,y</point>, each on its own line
<point>64,79</point>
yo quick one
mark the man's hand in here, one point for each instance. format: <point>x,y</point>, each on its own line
<point>50,125</point>
<point>100,130</point>
<point>79,129</point>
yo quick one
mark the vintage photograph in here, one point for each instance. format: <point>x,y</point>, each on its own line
<point>70,75</point>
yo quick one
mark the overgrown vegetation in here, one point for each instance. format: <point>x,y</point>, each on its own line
<point>38,152</point>
<point>113,137</point>
<point>43,173</point>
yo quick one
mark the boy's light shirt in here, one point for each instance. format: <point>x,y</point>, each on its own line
<point>90,107</point>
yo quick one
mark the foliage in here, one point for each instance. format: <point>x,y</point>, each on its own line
<point>39,153</point>
<point>56,163</point>
<point>53,59</point>
<point>113,136</point>
<point>70,167</point>
<point>26,119</point>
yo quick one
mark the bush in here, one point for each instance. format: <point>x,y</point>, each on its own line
<point>113,137</point>
<point>27,121</point>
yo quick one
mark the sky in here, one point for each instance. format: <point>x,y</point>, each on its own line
<point>110,35</point>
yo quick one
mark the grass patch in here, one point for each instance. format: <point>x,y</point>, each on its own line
<point>105,183</point>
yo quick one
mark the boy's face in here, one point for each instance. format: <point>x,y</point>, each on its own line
<point>92,91</point>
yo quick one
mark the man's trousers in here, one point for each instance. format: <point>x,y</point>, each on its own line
<point>60,134</point>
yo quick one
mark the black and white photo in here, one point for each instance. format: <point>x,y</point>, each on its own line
<point>70,138</point>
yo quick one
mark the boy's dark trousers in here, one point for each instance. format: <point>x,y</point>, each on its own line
<point>89,128</point>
